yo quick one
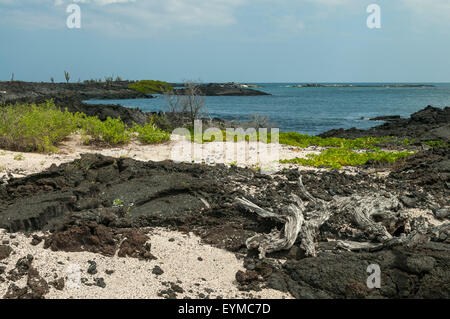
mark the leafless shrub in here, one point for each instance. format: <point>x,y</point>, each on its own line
<point>259,121</point>
<point>187,107</point>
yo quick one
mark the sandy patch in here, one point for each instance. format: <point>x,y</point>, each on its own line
<point>242,154</point>
<point>200,270</point>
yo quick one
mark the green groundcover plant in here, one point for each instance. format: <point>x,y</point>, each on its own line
<point>339,157</point>
<point>302,140</point>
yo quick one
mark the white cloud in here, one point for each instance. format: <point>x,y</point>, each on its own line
<point>100,2</point>
<point>289,24</point>
<point>147,17</point>
<point>138,16</point>
<point>435,9</point>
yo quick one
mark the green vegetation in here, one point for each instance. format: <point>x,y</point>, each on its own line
<point>111,131</point>
<point>31,127</point>
<point>436,143</point>
<point>118,202</point>
<point>300,140</point>
<point>150,134</point>
<point>339,157</point>
<point>151,87</point>
<point>19,157</point>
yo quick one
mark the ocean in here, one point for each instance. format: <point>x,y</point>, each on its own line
<point>315,110</point>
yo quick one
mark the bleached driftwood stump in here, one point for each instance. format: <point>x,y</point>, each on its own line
<point>362,211</point>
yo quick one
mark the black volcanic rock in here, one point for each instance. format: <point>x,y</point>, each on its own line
<point>227,89</point>
<point>428,124</point>
<point>386,118</point>
<point>29,91</point>
<point>71,95</point>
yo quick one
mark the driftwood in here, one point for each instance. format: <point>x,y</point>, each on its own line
<point>295,224</point>
<point>266,243</point>
<point>377,216</point>
<point>420,235</point>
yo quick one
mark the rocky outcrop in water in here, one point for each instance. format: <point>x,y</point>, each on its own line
<point>227,89</point>
<point>30,91</point>
<point>428,124</point>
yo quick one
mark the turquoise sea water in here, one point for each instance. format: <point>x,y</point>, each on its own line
<point>315,110</point>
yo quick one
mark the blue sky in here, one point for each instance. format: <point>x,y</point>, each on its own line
<point>227,40</point>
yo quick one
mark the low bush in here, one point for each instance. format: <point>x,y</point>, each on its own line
<point>40,127</point>
<point>111,131</point>
<point>149,134</point>
<point>31,127</point>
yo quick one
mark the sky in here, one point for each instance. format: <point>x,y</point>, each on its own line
<point>226,40</point>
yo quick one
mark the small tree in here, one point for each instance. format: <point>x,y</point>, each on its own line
<point>193,102</point>
<point>259,121</point>
<point>67,76</point>
<point>189,102</point>
<point>52,80</point>
<point>172,101</point>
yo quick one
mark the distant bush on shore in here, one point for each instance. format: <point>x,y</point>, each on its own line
<point>32,127</point>
<point>151,87</point>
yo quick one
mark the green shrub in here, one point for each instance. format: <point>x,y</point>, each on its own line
<point>150,86</point>
<point>149,134</point>
<point>339,157</point>
<point>31,127</point>
<point>112,131</point>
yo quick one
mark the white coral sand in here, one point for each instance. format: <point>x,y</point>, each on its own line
<point>213,274</point>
